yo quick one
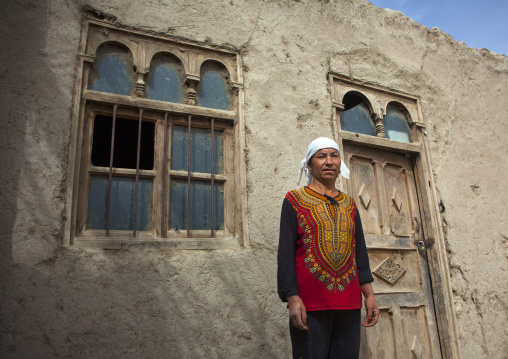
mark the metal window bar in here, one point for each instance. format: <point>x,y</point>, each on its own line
<point>188,178</point>
<point>164,233</point>
<point>134,220</point>
<point>212,172</point>
<point>112,149</point>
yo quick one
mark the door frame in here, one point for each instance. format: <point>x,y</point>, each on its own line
<point>377,97</point>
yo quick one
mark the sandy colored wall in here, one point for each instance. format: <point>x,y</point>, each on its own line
<point>66,302</point>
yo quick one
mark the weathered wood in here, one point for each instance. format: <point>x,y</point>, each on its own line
<point>380,143</point>
<point>158,193</point>
<point>409,300</point>
<point>198,175</point>
<point>388,242</point>
<point>400,343</point>
<point>240,178</point>
<point>201,243</point>
<point>385,179</point>
<point>148,104</point>
<point>437,259</point>
<point>73,172</point>
<point>119,172</point>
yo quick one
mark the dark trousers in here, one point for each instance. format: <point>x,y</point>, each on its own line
<point>332,334</point>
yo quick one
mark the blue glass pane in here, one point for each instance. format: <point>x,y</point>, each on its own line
<point>122,203</point>
<point>213,88</point>
<point>200,208</point>
<point>358,120</point>
<point>396,127</point>
<point>163,82</point>
<point>201,155</point>
<point>112,71</point>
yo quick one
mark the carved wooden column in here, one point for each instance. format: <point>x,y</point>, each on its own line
<point>140,84</point>
<point>191,83</point>
<point>380,128</point>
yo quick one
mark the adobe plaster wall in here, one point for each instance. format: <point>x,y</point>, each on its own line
<point>67,302</point>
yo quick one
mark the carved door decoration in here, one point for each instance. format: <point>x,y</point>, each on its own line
<point>383,185</point>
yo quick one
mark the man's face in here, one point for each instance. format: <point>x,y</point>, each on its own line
<point>325,165</point>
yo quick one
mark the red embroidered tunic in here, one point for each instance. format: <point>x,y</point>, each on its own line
<point>322,255</point>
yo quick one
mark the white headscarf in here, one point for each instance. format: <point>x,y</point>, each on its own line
<point>316,145</point>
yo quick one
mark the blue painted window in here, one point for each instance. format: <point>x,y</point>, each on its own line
<point>214,88</point>
<point>200,206</point>
<point>122,203</point>
<point>396,127</point>
<point>164,80</point>
<point>201,155</point>
<point>122,187</point>
<point>356,117</point>
<point>112,71</point>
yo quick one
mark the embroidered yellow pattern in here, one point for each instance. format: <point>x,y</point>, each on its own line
<point>328,237</point>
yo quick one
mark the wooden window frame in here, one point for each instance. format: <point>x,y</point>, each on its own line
<point>89,103</point>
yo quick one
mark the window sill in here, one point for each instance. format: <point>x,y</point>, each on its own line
<point>162,244</point>
<point>379,142</point>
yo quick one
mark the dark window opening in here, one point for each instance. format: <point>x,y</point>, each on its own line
<point>351,100</point>
<point>126,143</point>
<point>356,116</point>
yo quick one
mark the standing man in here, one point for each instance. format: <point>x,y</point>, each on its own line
<point>323,265</point>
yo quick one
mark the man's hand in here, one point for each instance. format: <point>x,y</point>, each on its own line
<point>297,312</point>
<point>370,306</point>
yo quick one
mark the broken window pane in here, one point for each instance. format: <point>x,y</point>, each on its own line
<point>122,203</point>
<point>396,127</point>
<point>163,82</point>
<point>112,70</point>
<point>200,208</point>
<point>126,143</point>
<point>213,90</point>
<point>201,140</point>
<point>356,117</point>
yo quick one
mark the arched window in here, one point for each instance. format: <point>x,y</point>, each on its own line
<point>356,117</point>
<point>112,70</point>
<point>395,122</point>
<point>164,81</point>
<point>214,88</point>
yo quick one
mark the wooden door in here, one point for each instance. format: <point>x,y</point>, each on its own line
<point>383,186</point>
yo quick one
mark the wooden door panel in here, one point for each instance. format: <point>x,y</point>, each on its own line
<point>395,271</point>
<point>396,190</point>
<point>379,341</point>
<point>383,186</point>
<point>400,333</point>
<point>363,170</point>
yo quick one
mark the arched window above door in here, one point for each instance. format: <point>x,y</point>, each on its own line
<point>113,70</point>
<point>356,116</point>
<point>395,123</point>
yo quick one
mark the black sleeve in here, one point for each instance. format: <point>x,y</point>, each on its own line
<point>362,257</point>
<point>287,284</point>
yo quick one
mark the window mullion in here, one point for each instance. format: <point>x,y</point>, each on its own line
<point>212,172</point>
<point>137,175</point>
<point>189,177</point>
<point>164,176</point>
<point>112,149</point>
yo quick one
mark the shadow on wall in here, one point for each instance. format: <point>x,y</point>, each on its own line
<point>61,302</point>
<point>150,304</point>
<point>33,155</point>
<point>153,304</point>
